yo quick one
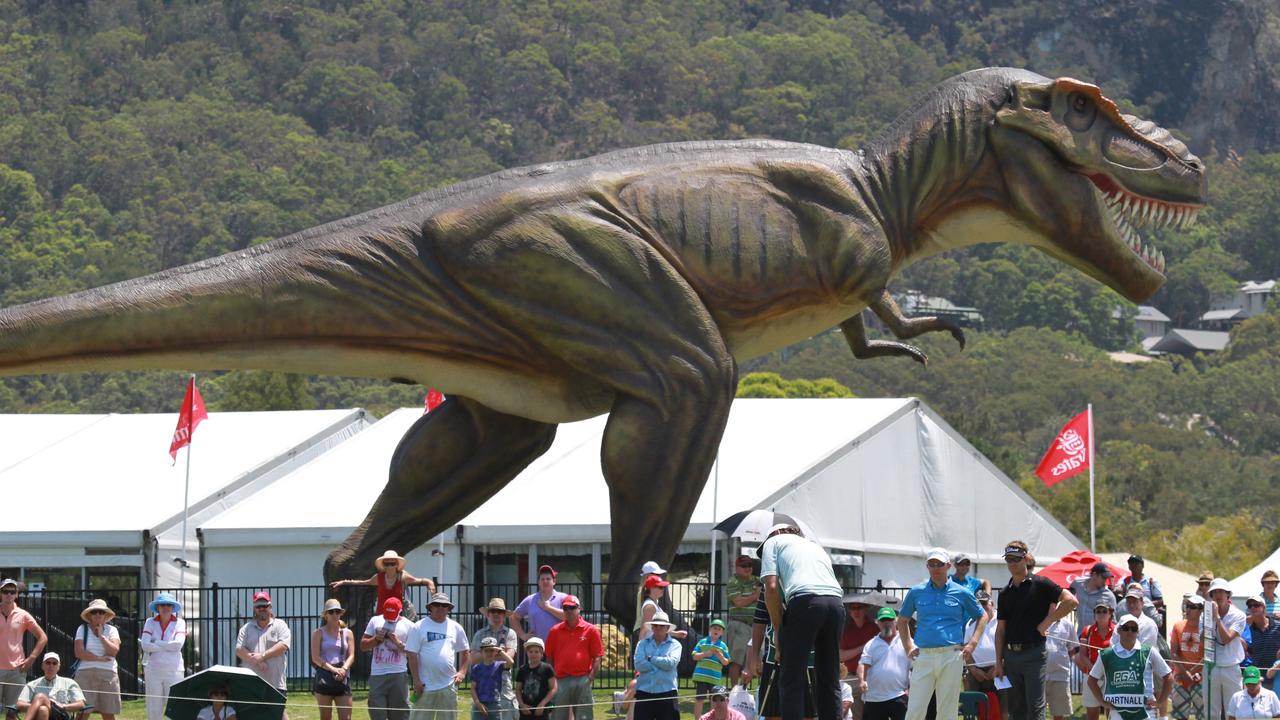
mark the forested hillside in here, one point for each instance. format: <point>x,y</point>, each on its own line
<point>137,135</point>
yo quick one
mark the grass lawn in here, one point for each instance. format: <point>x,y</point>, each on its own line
<point>302,707</point>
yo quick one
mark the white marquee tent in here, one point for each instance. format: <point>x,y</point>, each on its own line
<point>878,480</point>
<point>100,491</point>
<point>1250,582</point>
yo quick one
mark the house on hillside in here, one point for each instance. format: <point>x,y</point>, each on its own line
<point>1182,341</point>
<point>915,303</point>
<point>1150,323</point>
<point>1249,300</point>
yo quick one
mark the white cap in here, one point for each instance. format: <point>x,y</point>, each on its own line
<point>535,640</point>
<point>652,568</point>
<point>1128,618</point>
<point>938,554</point>
<point>961,557</point>
<point>1195,600</point>
<point>1220,584</point>
<point>52,656</point>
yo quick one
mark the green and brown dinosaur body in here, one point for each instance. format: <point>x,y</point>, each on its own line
<point>633,284</point>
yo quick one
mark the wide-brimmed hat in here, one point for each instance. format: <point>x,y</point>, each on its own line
<point>497,604</point>
<point>1270,575</point>
<point>332,604</point>
<point>98,604</point>
<point>165,598</point>
<point>660,618</point>
<point>439,598</point>
<point>389,555</point>
<point>1220,584</point>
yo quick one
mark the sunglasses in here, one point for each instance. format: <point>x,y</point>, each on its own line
<point>335,611</point>
<point>9,591</point>
<point>1010,559</point>
<point>1128,629</point>
<point>935,564</point>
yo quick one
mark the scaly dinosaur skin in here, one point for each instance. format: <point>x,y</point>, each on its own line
<point>633,283</point>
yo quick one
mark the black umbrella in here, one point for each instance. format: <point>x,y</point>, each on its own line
<point>875,598</point>
<point>252,697</point>
<point>753,525</point>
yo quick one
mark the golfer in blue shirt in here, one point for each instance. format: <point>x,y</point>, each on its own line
<point>941,608</point>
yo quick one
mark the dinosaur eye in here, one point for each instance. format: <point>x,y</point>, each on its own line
<point>1082,113</point>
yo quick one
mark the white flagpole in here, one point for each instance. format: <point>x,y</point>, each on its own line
<point>1093,539</point>
<point>715,515</point>
<point>186,496</point>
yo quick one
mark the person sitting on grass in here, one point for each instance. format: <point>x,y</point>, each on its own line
<point>535,681</point>
<point>486,680</point>
<point>50,696</point>
<point>712,655</point>
<point>218,709</point>
<point>720,709</point>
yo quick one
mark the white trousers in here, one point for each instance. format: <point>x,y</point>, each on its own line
<point>1224,682</point>
<point>937,673</point>
<point>157,689</point>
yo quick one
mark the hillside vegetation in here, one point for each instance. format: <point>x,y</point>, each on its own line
<point>137,135</point>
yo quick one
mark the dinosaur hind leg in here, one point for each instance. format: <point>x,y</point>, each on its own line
<point>447,464</point>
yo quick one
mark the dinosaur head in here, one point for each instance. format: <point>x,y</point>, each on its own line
<point>1089,180</point>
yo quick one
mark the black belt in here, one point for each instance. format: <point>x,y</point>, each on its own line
<point>1019,647</point>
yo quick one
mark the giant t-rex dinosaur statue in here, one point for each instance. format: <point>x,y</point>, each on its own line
<point>633,283</point>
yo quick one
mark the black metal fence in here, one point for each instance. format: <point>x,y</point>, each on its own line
<point>215,614</point>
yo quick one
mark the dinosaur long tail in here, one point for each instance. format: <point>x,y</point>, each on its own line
<point>343,304</point>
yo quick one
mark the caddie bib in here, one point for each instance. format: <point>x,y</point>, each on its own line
<point>1128,682</point>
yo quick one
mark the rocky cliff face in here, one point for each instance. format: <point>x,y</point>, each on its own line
<point>1236,103</point>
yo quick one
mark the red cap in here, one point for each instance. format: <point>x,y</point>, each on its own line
<point>262,597</point>
<point>546,569</point>
<point>654,581</point>
<point>391,609</point>
<point>570,601</point>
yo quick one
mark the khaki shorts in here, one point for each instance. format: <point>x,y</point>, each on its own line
<point>11,682</point>
<point>101,689</point>
<point>737,635</point>
<point>1087,698</point>
<point>1057,693</point>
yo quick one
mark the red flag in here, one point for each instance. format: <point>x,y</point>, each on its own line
<point>434,399</point>
<point>1069,453</point>
<point>192,413</point>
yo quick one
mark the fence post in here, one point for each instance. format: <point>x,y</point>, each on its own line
<point>214,620</point>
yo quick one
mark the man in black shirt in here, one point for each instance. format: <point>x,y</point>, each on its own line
<point>1028,605</point>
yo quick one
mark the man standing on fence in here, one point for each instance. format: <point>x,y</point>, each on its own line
<point>387,636</point>
<point>438,660</point>
<point>798,572</point>
<point>496,613</point>
<point>263,644</point>
<point>541,609</point>
<point>574,649</point>
<point>1028,605</point>
<point>15,623</point>
<point>941,608</point>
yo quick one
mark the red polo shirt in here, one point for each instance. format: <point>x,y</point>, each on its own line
<point>571,649</point>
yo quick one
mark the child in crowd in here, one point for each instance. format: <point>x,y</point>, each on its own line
<point>711,655</point>
<point>486,680</point>
<point>535,681</point>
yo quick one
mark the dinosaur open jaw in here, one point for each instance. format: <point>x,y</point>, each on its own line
<point>1129,209</point>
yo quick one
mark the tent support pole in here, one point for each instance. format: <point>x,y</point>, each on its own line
<point>1093,538</point>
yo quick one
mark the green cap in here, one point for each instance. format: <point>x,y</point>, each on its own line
<point>718,623</point>
<point>886,614</point>
<point>1251,675</point>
